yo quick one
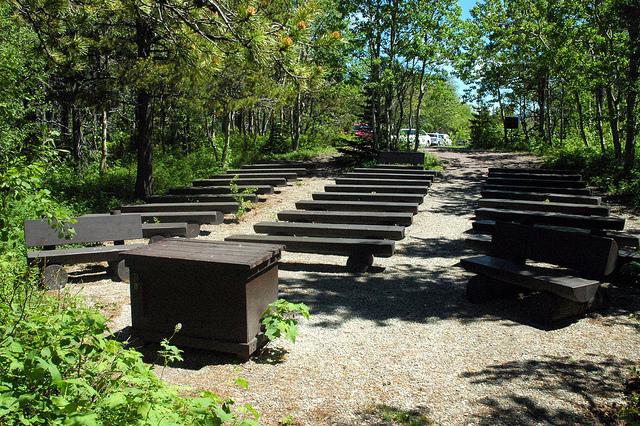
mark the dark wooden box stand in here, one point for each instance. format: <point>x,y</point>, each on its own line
<point>216,290</point>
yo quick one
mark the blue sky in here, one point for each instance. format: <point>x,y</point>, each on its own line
<point>466,6</point>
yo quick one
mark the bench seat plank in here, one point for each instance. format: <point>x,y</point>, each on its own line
<point>296,165</point>
<point>215,190</point>
<point>399,166</point>
<point>374,218</point>
<point>392,176</point>
<point>248,174</point>
<point>367,196</point>
<point>548,218</point>
<point>541,196</point>
<point>532,188</point>
<point>381,181</point>
<point>241,181</point>
<point>558,282</point>
<point>319,245</point>
<point>227,207</point>
<point>70,256</point>
<point>204,217</point>
<point>300,171</point>
<point>389,232</point>
<point>378,189</point>
<point>413,172</point>
<point>578,209</point>
<point>545,183</point>
<point>529,170</point>
<point>197,198</point>
<point>366,206</point>
<point>536,176</point>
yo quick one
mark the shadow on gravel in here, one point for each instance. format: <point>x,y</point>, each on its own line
<point>560,378</point>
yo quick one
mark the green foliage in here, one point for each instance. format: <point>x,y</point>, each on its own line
<point>628,275</point>
<point>400,417</point>
<point>281,319</point>
<point>485,129</point>
<point>240,197</point>
<point>432,162</point>
<point>630,413</point>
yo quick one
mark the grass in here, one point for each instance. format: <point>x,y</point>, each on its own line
<point>401,417</point>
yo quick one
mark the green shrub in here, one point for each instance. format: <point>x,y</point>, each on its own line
<point>281,319</point>
<point>432,162</point>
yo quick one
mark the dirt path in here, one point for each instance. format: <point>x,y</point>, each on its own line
<point>404,338</point>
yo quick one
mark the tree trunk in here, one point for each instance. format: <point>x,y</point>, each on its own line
<point>295,122</point>
<point>505,134</point>
<point>103,142</point>
<point>143,117</point>
<point>541,105</point>
<point>632,17</point>
<point>226,132</point>
<point>598,98</point>
<point>77,135</point>
<point>421,91</point>
<point>612,107</point>
<point>581,120</point>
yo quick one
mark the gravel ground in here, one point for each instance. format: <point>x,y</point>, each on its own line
<point>403,339</point>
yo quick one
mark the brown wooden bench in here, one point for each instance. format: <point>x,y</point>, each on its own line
<point>558,293</point>
<point>381,182</point>
<point>379,189</point>
<point>416,172</point>
<point>197,198</point>
<point>526,170</point>
<point>373,218</point>
<point>535,176</point>
<point>276,166</point>
<point>545,183</point>
<point>215,190</point>
<point>364,206</point>
<point>157,231</point>
<point>241,181</point>
<point>401,157</point>
<point>87,229</point>
<point>250,174</point>
<point>547,218</point>
<point>368,196</point>
<point>300,229</point>
<point>400,166</point>
<point>360,252</point>
<point>540,196</point>
<point>173,222</point>
<point>533,188</point>
<point>180,207</point>
<point>249,169</point>
<point>392,176</point>
<point>623,239</point>
<point>544,206</point>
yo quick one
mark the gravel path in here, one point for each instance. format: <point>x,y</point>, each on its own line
<point>403,336</point>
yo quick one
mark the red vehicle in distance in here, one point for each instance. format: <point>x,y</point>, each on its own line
<point>363,131</point>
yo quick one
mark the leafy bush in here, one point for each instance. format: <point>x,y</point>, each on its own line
<point>281,319</point>
<point>432,162</point>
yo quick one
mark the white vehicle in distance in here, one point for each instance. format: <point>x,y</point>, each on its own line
<point>424,140</point>
<point>440,139</point>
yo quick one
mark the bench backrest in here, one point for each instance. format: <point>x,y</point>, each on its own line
<point>401,157</point>
<point>592,256</point>
<point>88,229</point>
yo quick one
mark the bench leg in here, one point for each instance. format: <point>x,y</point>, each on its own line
<point>54,277</point>
<point>549,310</point>
<point>156,238</point>
<point>193,230</point>
<point>359,262</point>
<point>120,270</point>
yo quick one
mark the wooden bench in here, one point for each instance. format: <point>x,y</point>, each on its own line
<point>561,293</point>
<point>400,166</point>
<point>363,206</point>
<point>526,170</point>
<point>535,176</point>
<point>248,169</point>
<point>214,190</point>
<point>543,206</point>
<point>392,176</point>
<point>547,218</point>
<point>380,182</point>
<point>401,157</point>
<point>533,188</point>
<point>241,181</point>
<point>368,196</point>
<point>538,182</point>
<point>541,196</point>
<point>88,229</point>
<point>173,222</point>
<point>197,198</point>
<point>357,217</point>
<point>623,239</point>
<point>290,176</point>
<point>180,207</point>
<point>300,229</point>
<point>276,166</point>
<point>360,252</point>
<point>379,189</point>
<point>416,172</point>
<point>157,231</point>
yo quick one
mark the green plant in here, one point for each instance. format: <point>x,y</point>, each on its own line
<point>432,162</point>
<point>240,197</point>
<point>281,319</point>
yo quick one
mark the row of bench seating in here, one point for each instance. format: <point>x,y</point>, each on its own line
<point>530,214</point>
<point>175,214</point>
<point>360,217</point>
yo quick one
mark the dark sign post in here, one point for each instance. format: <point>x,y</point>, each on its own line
<point>511,122</point>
